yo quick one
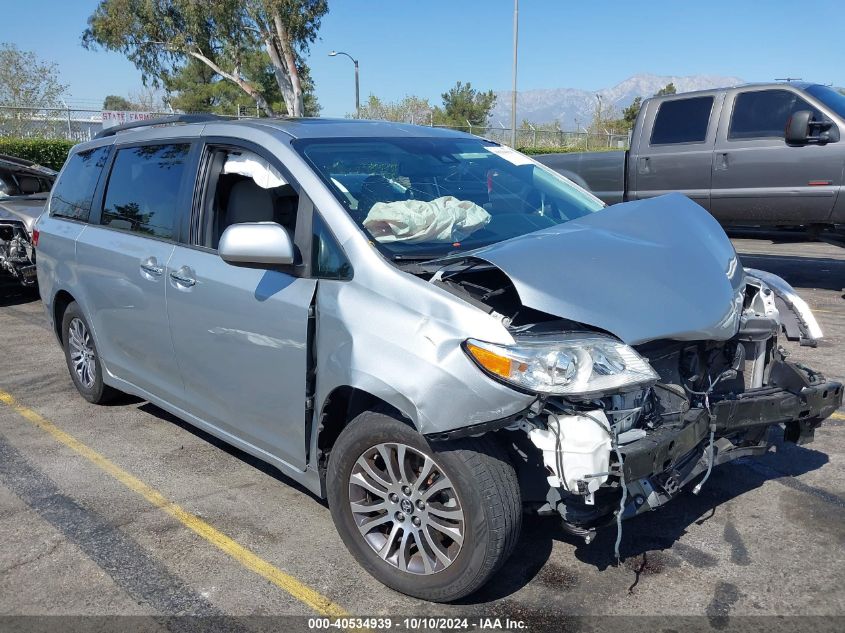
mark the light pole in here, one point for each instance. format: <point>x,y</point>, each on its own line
<point>513,92</point>
<point>357,90</point>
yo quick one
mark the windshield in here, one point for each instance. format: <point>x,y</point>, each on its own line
<point>833,99</point>
<point>422,198</point>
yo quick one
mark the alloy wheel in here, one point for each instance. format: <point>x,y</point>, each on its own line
<point>406,508</point>
<point>82,355</point>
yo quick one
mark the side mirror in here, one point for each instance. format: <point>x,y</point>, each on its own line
<point>798,127</point>
<point>802,128</point>
<point>256,243</point>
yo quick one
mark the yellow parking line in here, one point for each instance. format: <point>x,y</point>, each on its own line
<point>838,416</point>
<point>245,557</point>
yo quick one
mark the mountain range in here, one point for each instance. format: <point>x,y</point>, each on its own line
<point>573,107</point>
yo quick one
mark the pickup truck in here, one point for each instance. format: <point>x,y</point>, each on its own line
<point>753,155</point>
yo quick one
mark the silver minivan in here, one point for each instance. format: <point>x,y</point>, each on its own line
<point>433,331</point>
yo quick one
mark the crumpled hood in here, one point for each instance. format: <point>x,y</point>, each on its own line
<point>26,209</point>
<point>661,268</point>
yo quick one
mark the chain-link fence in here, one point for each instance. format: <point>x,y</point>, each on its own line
<point>81,125</point>
<point>61,123</point>
<point>540,138</point>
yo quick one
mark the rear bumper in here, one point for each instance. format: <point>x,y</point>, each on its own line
<point>660,464</point>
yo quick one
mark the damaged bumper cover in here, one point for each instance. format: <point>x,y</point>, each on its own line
<point>656,467</point>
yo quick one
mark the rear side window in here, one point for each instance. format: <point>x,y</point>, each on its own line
<point>764,113</point>
<point>682,121</point>
<point>74,191</point>
<point>142,195</point>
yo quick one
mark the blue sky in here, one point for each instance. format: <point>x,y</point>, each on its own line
<point>423,47</point>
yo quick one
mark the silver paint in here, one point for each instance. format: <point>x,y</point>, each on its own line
<point>24,209</point>
<point>653,269</point>
<point>811,329</point>
<point>256,243</point>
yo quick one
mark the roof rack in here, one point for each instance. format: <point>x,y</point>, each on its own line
<point>165,120</point>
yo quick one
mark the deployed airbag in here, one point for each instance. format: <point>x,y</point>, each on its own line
<point>445,219</point>
<point>247,164</point>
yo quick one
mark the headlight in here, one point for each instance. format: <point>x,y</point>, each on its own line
<point>573,364</point>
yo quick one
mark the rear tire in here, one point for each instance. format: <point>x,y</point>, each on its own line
<point>472,494</point>
<point>82,358</point>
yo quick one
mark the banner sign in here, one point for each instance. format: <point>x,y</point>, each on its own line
<point>117,117</point>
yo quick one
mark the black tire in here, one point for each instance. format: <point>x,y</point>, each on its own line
<point>484,481</point>
<point>98,392</point>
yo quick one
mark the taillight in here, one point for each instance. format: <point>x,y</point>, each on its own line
<point>35,237</point>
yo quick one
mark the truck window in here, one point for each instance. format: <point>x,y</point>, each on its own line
<point>74,191</point>
<point>764,113</point>
<point>682,121</point>
<point>142,194</point>
<point>833,99</point>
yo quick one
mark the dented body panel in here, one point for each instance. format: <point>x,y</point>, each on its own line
<point>399,338</point>
<point>653,269</point>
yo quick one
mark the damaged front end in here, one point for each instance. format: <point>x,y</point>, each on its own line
<point>623,422</point>
<point>24,187</point>
<point>713,403</point>
<point>17,254</point>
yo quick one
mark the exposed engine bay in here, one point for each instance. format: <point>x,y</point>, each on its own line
<point>604,457</point>
<point>17,255</point>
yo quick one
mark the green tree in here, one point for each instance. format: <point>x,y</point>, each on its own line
<point>195,87</point>
<point>629,114</point>
<point>668,89</point>
<point>160,37</point>
<point>463,103</point>
<point>114,102</point>
<point>28,82</point>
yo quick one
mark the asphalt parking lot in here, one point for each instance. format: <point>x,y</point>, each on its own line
<point>84,533</point>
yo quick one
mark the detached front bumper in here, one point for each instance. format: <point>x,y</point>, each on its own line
<point>657,466</point>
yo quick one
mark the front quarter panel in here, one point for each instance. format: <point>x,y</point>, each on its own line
<point>399,338</point>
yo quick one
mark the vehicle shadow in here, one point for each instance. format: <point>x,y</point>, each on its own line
<point>801,272</point>
<point>256,463</point>
<point>14,295</point>
<point>651,532</point>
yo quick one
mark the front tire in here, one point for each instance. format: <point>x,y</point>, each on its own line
<point>83,361</point>
<point>433,522</point>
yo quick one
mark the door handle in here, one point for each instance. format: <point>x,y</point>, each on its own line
<point>644,165</point>
<point>721,161</point>
<point>151,267</point>
<point>182,277</point>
